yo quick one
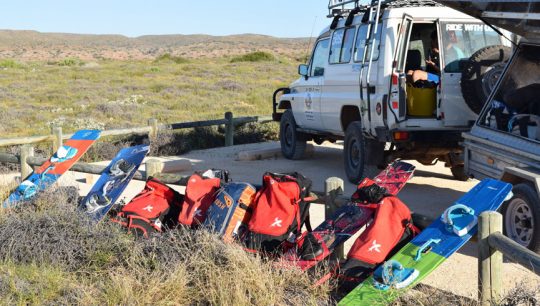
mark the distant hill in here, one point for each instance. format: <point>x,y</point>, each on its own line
<point>33,45</point>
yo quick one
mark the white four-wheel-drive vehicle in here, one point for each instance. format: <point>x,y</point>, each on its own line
<point>504,142</point>
<point>355,85</point>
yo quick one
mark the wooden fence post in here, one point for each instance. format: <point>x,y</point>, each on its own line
<point>56,131</point>
<point>229,129</point>
<point>26,151</point>
<point>489,259</point>
<point>153,123</point>
<point>153,167</point>
<point>333,187</point>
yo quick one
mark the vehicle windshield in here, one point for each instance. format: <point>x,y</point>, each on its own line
<point>461,40</point>
<point>515,107</point>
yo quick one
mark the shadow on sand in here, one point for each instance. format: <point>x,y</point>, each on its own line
<point>423,173</point>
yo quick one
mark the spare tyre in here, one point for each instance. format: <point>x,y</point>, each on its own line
<point>480,74</point>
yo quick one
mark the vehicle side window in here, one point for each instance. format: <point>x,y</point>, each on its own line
<point>515,108</point>
<point>403,45</point>
<point>462,40</point>
<point>319,60</point>
<point>342,43</point>
<point>346,51</point>
<point>361,43</point>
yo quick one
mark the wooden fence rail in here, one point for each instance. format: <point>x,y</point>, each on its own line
<point>152,129</point>
<point>492,245</point>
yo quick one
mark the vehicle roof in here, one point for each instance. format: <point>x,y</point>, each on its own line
<point>422,12</point>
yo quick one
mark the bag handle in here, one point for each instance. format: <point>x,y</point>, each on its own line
<point>426,248</point>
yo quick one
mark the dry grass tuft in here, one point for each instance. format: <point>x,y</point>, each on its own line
<point>423,295</point>
<point>522,294</point>
<point>51,254</point>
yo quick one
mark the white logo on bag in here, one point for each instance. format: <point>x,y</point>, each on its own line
<point>149,208</point>
<point>197,213</point>
<point>277,222</point>
<point>374,247</point>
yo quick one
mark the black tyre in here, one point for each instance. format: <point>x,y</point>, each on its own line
<point>361,156</point>
<point>522,217</point>
<point>481,73</point>
<point>459,173</point>
<point>293,143</point>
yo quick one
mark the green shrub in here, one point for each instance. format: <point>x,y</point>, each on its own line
<point>302,59</point>
<point>8,63</point>
<point>259,56</point>
<point>70,62</point>
<point>167,57</point>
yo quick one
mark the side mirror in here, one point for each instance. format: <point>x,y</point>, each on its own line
<point>303,70</point>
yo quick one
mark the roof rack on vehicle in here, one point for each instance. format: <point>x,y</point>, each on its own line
<point>344,7</point>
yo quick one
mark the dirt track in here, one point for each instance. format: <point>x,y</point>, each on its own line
<point>431,190</point>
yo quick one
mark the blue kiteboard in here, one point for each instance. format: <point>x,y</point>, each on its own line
<point>431,247</point>
<point>112,182</point>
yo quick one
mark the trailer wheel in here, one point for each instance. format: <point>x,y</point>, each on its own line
<point>293,143</point>
<point>458,172</point>
<point>481,73</point>
<point>361,156</point>
<point>522,217</point>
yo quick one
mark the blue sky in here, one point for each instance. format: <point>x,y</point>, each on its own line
<point>282,18</point>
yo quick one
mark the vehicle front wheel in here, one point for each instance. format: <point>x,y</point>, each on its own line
<point>522,217</point>
<point>293,143</point>
<point>361,156</point>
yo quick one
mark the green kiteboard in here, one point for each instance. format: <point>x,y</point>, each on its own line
<point>431,247</point>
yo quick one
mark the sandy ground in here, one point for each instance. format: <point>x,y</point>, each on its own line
<point>429,192</point>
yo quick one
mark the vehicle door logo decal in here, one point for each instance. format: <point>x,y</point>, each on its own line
<point>309,101</point>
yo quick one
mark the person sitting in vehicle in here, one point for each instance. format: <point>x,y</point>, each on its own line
<point>432,65</point>
<point>452,53</point>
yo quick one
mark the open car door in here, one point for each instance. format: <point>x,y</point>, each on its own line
<point>399,74</point>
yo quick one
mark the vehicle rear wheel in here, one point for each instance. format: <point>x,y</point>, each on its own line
<point>361,156</point>
<point>293,143</point>
<point>481,73</point>
<point>522,217</point>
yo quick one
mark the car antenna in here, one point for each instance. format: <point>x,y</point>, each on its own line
<point>498,31</point>
<point>311,36</point>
